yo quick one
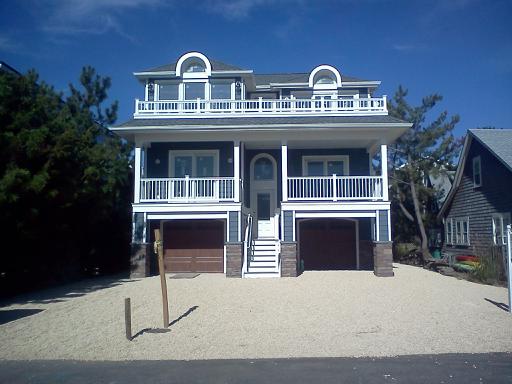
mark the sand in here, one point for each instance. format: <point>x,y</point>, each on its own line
<point>319,314</point>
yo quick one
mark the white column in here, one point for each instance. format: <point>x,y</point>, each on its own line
<point>384,173</point>
<point>236,171</point>
<point>136,192</point>
<point>284,170</point>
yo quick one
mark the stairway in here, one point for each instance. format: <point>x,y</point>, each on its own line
<point>265,259</point>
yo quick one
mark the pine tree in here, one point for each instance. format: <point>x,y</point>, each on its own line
<point>427,148</point>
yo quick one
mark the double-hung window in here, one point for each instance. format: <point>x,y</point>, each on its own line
<point>325,165</point>
<point>200,163</point>
<point>499,228</point>
<point>457,231</point>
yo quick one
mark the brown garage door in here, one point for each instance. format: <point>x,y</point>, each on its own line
<point>328,244</point>
<point>194,246</point>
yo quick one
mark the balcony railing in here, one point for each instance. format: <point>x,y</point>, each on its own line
<point>335,188</point>
<point>187,189</point>
<point>262,107</point>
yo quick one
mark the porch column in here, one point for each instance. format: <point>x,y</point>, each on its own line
<point>236,171</point>
<point>136,192</point>
<point>284,170</point>
<point>384,173</point>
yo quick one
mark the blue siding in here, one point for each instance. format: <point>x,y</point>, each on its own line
<point>161,151</point>
<point>288,225</point>
<point>233,227</point>
<point>383,226</point>
<point>138,231</point>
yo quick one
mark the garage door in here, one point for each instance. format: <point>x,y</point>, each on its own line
<point>194,246</point>
<point>328,244</point>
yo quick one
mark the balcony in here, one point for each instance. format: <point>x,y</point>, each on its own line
<point>187,190</point>
<point>321,105</point>
<point>335,188</point>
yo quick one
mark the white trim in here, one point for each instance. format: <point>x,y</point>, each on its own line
<point>384,171</point>
<point>389,226</point>
<point>333,215</point>
<point>325,159</point>
<point>377,226</point>
<point>136,192</point>
<point>225,262</point>
<point>208,216</point>
<point>193,207</point>
<point>329,68</point>
<point>284,171</point>
<point>294,216</point>
<point>198,55</point>
<point>335,207</point>
<point>263,186</point>
<point>194,154</point>
<point>236,169</point>
<point>144,230</point>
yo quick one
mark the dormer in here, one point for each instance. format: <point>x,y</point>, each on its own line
<point>324,79</point>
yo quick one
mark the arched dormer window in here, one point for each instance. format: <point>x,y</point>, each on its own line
<point>193,65</point>
<point>324,77</point>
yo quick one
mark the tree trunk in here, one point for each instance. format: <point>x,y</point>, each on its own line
<point>425,253</point>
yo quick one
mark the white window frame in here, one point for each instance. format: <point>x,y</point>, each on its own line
<point>454,231</point>
<point>504,219</point>
<point>232,85</point>
<point>325,159</point>
<point>194,154</point>
<point>165,82</point>
<point>477,165</point>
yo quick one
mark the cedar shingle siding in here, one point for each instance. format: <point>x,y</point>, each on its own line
<point>480,203</point>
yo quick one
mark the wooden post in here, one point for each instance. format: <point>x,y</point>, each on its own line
<point>161,269</point>
<point>128,318</point>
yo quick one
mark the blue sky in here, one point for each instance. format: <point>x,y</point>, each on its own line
<point>461,49</point>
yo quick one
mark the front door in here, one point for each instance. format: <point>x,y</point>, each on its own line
<point>263,195</point>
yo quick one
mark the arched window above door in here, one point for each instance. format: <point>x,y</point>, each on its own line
<point>263,169</point>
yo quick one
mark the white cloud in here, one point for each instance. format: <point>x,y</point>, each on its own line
<point>235,9</point>
<point>7,44</point>
<point>70,17</point>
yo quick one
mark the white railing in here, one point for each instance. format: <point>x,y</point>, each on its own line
<point>235,108</point>
<point>187,189</point>
<point>335,188</point>
<point>248,245</point>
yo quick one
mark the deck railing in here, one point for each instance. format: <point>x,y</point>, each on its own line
<point>335,188</point>
<point>235,108</point>
<point>187,189</point>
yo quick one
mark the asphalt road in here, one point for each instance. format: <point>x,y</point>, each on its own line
<point>449,368</point>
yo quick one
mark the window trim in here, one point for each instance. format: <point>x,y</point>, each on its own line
<point>326,159</point>
<point>194,154</point>
<point>455,234</point>
<point>477,164</point>
<point>504,217</point>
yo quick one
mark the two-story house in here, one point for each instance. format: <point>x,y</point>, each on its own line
<point>260,175</point>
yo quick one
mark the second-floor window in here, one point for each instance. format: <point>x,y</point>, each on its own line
<point>457,231</point>
<point>200,163</point>
<point>325,165</point>
<point>221,89</point>
<point>477,171</point>
<point>194,91</point>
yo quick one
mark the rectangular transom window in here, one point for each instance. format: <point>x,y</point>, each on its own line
<point>199,163</point>
<point>499,228</point>
<point>325,165</point>
<point>457,231</point>
<point>477,171</point>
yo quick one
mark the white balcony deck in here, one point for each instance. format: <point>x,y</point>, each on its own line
<point>261,107</point>
<point>335,188</point>
<point>222,189</point>
<point>187,190</point>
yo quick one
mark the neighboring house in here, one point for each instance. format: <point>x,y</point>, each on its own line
<point>259,175</point>
<point>479,204</point>
<point>4,67</point>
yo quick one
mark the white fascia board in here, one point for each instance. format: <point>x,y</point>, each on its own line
<point>245,127</point>
<point>289,85</point>
<point>375,83</point>
<point>233,72</point>
<point>155,73</point>
<point>336,207</point>
<point>258,114</point>
<point>328,215</point>
<point>198,208</point>
<point>172,216</point>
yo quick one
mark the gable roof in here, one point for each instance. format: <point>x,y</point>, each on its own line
<point>280,78</point>
<point>497,141</point>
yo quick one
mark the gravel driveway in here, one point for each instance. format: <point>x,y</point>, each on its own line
<point>319,314</point>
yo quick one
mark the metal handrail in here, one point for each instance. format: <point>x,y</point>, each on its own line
<point>248,245</point>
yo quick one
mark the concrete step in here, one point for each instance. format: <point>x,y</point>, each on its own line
<point>261,275</point>
<point>264,258</point>
<point>265,242</point>
<point>258,263</point>
<point>264,253</point>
